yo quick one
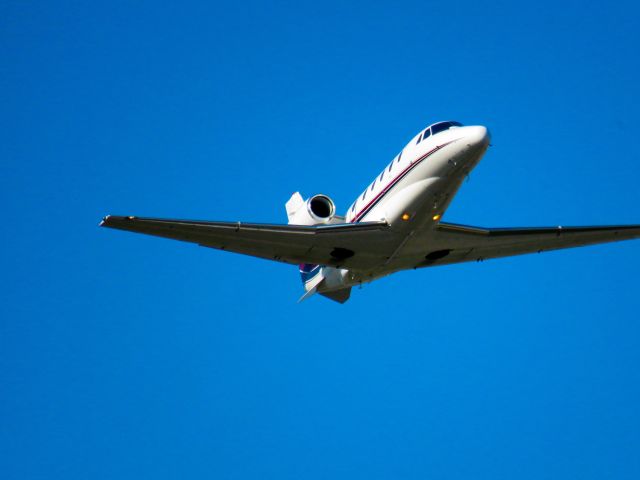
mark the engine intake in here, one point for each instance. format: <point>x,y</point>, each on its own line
<point>321,208</point>
<point>313,211</point>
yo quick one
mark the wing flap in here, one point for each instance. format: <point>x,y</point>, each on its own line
<point>358,245</point>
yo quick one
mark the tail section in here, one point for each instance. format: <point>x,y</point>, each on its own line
<point>312,277</point>
<point>339,296</point>
<point>309,271</point>
<point>325,281</point>
<point>316,278</point>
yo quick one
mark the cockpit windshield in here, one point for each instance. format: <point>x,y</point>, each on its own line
<point>437,128</point>
<point>442,126</point>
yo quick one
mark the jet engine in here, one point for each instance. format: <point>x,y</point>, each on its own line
<point>316,210</point>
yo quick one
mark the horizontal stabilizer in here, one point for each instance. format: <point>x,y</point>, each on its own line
<point>307,294</point>
<point>312,285</point>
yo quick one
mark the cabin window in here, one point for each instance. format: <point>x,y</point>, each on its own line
<point>400,156</point>
<point>373,185</point>
<point>382,175</point>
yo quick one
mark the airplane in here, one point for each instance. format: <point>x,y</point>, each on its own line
<point>394,225</point>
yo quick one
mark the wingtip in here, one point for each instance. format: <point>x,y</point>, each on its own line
<point>111,220</point>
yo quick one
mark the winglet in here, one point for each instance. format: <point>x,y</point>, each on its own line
<point>114,220</point>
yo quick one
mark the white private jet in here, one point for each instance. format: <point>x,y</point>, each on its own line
<point>393,225</point>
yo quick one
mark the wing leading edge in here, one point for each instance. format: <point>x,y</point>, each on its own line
<point>459,243</point>
<point>357,245</point>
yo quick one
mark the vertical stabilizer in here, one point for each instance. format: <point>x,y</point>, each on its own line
<point>312,277</point>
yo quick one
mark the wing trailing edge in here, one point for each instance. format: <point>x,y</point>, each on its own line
<point>354,245</point>
<point>461,243</point>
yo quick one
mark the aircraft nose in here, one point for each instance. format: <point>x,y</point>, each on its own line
<point>478,136</point>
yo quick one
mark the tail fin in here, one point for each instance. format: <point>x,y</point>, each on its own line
<point>308,271</point>
<point>312,277</point>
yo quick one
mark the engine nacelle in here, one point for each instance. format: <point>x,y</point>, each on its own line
<point>316,210</point>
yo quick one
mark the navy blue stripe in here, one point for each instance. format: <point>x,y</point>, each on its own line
<point>394,182</point>
<point>308,271</point>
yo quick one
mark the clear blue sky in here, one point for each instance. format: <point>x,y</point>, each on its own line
<point>124,356</point>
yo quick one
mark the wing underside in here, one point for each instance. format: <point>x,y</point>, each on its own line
<point>356,246</point>
<point>367,246</point>
<point>452,243</point>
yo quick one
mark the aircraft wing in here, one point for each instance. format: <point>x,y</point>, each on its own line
<point>356,245</point>
<point>459,243</point>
